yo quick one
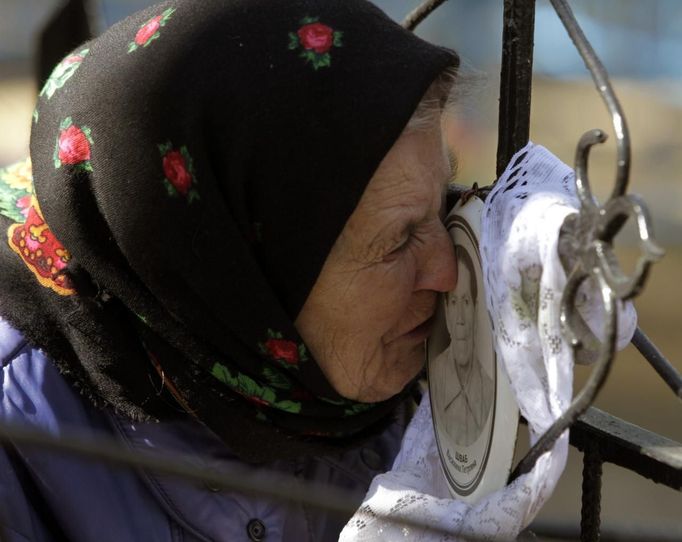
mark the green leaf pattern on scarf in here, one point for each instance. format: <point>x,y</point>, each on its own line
<point>62,73</point>
<point>252,390</point>
<point>276,379</point>
<point>357,408</point>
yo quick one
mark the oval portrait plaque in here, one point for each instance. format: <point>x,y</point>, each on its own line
<point>474,411</point>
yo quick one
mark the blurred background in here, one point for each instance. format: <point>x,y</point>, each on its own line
<point>640,43</point>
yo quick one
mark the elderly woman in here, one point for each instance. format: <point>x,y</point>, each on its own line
<point>232,248</point>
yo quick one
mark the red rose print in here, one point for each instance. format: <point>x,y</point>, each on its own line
<point>175,169</point>
<point>148,30</point>
<point>73,145</point>
<point>283,350</point>
<point>178,168</point>
<point>316,36</point>
<point>315,41</point>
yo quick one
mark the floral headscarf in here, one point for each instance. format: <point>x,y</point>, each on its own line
<point>192,168</point>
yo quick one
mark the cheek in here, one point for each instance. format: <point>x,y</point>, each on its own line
<point>351,315</point>
<point>394,286</point>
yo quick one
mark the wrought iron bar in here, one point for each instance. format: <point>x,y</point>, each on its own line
<point>617,441</point>
<point>601,80</point>
<point>629,446</point>
<point>663,367</point>
<point>613,532</point>
<point>110,451</point>
<point>515,79</point>
<point>590,511</point>
<point>280,487</point>
<point>421,12</point>
<point>585,250</point>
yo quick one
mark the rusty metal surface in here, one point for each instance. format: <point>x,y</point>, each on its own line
<point>590,512</point>
<point>515,79</point>
<point>649,454</point>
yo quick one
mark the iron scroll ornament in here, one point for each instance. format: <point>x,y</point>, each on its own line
<point>586,252</point>
<point>586,248</point>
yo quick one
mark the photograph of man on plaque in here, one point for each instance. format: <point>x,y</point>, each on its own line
<point>470,390</point>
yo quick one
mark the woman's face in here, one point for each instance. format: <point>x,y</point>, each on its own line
<point>369,312</point>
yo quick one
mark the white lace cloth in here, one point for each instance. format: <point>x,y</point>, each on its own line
<point>523,283</point>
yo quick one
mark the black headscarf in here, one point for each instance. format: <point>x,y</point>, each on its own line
<point>192,168</point>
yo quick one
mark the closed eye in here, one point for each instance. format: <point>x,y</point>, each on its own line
<point>407,239</point>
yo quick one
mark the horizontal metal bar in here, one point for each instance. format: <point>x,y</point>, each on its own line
<point>269,484</point>
<point>663,367</point>
<point>110,451</point>
<point>565,530</point>
<point>626,445</point>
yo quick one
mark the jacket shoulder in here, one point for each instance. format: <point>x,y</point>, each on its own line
<point>12,342</point>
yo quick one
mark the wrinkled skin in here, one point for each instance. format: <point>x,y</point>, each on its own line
<point>369,312</point>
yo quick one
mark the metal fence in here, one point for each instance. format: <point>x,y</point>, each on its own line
<point>600,436</point>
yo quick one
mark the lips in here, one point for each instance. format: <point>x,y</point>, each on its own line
<point>420,332</point>
<point>417,321</point>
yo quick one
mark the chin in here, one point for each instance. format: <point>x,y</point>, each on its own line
<point>375,396</point>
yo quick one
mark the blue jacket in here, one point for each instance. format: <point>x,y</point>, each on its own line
<point>46,496</point>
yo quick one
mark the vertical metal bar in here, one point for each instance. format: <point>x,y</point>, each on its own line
<point>515,79</point>
<point>662,366</point>
<point>591,501</point>
<point>601,80</point>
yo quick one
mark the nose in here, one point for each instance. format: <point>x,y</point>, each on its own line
<point>438,269</point>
